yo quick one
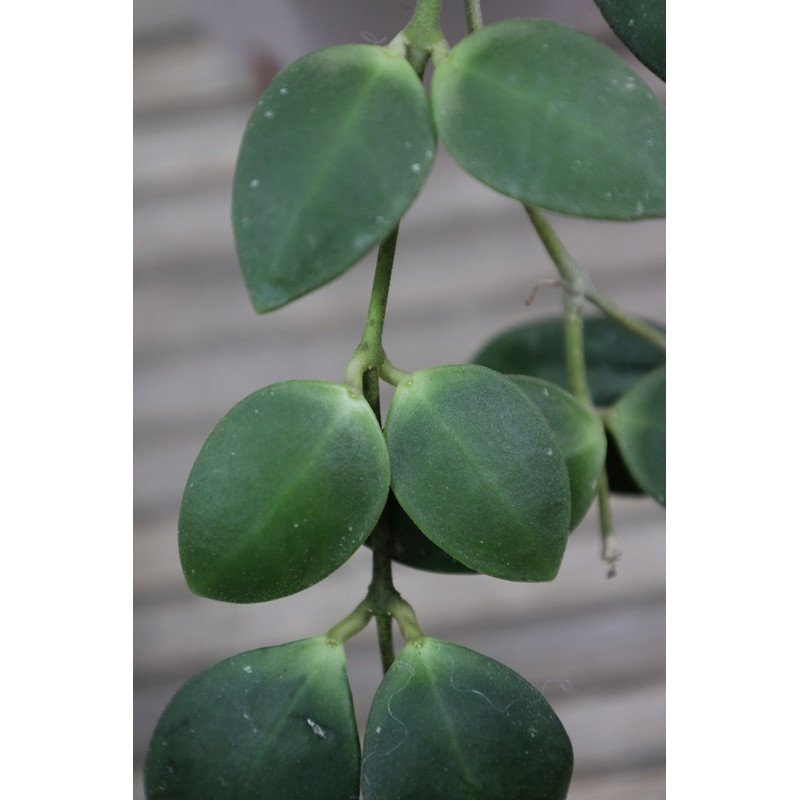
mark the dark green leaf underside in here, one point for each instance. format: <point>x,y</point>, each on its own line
<point>551,117</point>
<point>333,155</point>
<point>615,358</point>
<point>638,424</point>
<point>641,25</point>
<point>451,724</point>
<point>275,722</point>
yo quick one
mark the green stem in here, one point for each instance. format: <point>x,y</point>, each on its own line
<point>364,370</point>
<point>369,355</point>
<point>472,8</point>
<point>574,282</point>
<point>611,552</point>
<point>577,288</point>
<point>577,281</point>
<point>353,623</point>
<point>636,326</point>
<point>422,37</point>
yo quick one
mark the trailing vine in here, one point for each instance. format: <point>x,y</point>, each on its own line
<point>484,467</point>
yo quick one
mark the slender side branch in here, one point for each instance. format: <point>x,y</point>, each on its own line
<point>472,8</point>
<point>636,326</point>
<point>575,277</point>
<point>577,287</point>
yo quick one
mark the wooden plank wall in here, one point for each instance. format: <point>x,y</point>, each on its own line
<point>467,259</point>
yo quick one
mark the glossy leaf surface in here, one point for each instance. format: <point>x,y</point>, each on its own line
<point>271,723</point>
<point>549,116</point>
<point>580,435</point>
<point>332,157</point>
<point>641,25</point>
<point>638,424</point>
<point>286,488</point>
<point>451,724</point>
<point>477,468</point>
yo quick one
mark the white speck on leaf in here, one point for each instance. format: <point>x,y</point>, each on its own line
<point>269,113</point>
<point>549,451</point>
<point>415,167</point>
<point>283,90</point>
<point>255,183</point>
<point>318,730</point>
<point>247,668</point>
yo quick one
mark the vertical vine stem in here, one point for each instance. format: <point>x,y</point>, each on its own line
<point>363,369</point>
<point>363,376</point>
<point>576,284</point>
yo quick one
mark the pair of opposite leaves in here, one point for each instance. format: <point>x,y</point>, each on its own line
<point>446,722</point>
<point>493,470</point>
<point>341,142</point>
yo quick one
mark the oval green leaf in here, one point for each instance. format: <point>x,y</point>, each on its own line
<point>332,157</point>
<point>477,468</point>
<point>580,435</point>
<point>452,724</point>
<point>275,722</point>
<point>638,423</point>
<point>286,488</point>
<point>549,116</point>
<point>641,25</point>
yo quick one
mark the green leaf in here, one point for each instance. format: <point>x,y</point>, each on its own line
<point>551,117</point>
<point>638,423</point>
<point>615,359</point>
<point>451,724</point>
<point>286,488</point>
<point>641,25</point>
<point>477,468</point>
<point>580,435</point>
<point>275,722</point>
<point>332,157</point>
<point>411,547</point>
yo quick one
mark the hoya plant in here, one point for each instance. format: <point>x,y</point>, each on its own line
<point>481,467</point>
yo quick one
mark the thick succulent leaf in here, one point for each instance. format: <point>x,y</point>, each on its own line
<point>638,423</point>
<point>549,116</point>
<point>477,468</point>
<point>271,723</point>
<point>641,25</point>
<point>332,157</point>
<point>286,488</point>
<point>451,724</point>
<point>580,435</point>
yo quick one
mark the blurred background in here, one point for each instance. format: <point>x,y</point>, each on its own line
<point>467,259</point>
